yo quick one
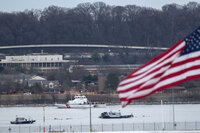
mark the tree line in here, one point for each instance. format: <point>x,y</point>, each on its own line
<point>98,23</point>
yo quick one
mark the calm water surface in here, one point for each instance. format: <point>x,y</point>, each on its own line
<point>142,113</point>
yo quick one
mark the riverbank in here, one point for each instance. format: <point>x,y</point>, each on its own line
<point>107,104</point>
<point>50,99</point>
<point>109,99</point>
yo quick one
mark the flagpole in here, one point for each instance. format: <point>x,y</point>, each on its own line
<point>44,118</point>
<point>163,125</point>
<point>174,124</point>
<point>90,118</point>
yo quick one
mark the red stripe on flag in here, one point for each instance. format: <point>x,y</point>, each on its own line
<point>163,87</point>
<point>168,69</point>
<point>157,58</point>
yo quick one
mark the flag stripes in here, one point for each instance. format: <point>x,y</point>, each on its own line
<point>164,71</point>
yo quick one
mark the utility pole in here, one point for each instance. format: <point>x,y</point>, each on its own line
<point>90,118</point>
<point>174,123</point>
<point>44,118</point>
<point>162,111</point>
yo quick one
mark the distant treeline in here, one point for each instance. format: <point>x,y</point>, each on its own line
<point>99,23</point>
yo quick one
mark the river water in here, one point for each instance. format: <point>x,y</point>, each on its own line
<point>142,114</point>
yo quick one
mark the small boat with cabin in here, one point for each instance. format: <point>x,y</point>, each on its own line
<point>114,115</point>
<point>21,120</point>
<point>80,101</point>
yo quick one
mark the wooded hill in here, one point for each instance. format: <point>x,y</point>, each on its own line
<point>99,23</point>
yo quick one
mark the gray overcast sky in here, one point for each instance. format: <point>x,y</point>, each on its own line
<point>21,5</point>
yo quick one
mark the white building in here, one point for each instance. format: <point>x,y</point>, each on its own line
<point>35,58</point>
<point>36,61</point>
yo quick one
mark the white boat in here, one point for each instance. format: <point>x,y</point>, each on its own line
<point>80,101</point>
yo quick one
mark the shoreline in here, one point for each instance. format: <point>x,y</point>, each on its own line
<point>35,100</point>
<point>109,104</point>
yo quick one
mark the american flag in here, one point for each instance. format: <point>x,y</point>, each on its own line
<point>176,65</point>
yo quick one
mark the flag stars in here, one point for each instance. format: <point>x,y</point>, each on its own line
<point>173,73</point>
<point>192,42</point>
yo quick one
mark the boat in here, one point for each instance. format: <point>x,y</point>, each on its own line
<point>21,120</point>
<point>80,101</point>
<point>113,115</point>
